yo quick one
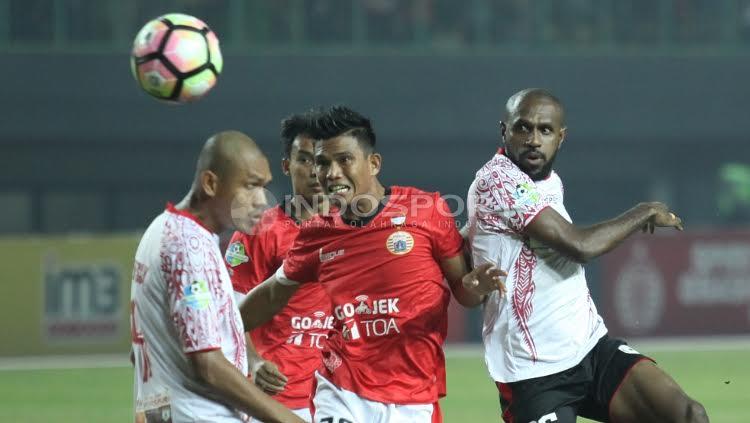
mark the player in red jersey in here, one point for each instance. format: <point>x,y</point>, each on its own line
<point>293,338</point>
<point>382,258</point>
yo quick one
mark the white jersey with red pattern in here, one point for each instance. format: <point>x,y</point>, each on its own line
<point>547,321</point>
<point>181,303</point>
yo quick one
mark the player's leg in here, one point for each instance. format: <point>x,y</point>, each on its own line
<point>648,394</point>
<point>332,404</point>
<point>629,387</point>
<point>414,413</point>
<point>303,413</point>
<point>547,399</point>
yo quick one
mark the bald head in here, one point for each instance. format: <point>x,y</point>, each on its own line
<point>528,96</point>
<point>225,151</point>
<point>229,180</point>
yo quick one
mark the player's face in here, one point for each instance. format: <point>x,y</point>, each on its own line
<point>242,194</point>
<point>345,170</point>
<point>301,169</point>
<point>532,136</point>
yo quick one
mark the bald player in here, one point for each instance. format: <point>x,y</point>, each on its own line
<point>187,338</point>
<point>546,346</point>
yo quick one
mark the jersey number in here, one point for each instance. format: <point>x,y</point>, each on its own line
<point>547,418</point>
<point>137,338</point>
<point>331,420</point>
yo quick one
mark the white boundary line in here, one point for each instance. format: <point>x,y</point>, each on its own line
<point>646,345</point>
<point>92,361</point>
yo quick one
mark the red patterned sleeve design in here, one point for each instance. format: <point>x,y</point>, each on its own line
<point>506,198</point>
<point>191,270</point>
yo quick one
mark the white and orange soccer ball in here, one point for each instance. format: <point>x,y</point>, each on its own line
<point>176,58</point>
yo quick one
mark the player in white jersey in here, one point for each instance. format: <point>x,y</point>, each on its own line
<point>188,346</point>
<point>546,346</point>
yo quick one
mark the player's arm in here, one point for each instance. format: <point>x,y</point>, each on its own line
<point>265,374</point>
<point>583,244</point>
<point>218,373</point>
<point>266,300</point>
<point>256,266</point>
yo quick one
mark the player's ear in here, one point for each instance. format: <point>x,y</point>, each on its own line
<point>209,183</point>
<point>563,133</point>
<point>285,166</point>
<point>376,160</point>
<point>502,132</point>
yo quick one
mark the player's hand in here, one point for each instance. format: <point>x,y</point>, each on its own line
<point>485,279</point>
<point>662,217</point>
<point>267,377</point>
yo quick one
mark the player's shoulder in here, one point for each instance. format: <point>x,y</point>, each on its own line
<point>320,226</point>
<point>500,169</point>
<point>274,217</point>
<point>405,191</point>
<point>400,194</point>
<point>180,226</point>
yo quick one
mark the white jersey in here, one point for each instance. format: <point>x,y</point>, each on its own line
<point>181,302</point>
<point>546,322</point>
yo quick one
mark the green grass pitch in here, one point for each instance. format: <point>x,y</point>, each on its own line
<point>719,379</point>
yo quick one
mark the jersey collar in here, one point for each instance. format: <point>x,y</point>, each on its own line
<point>369,218</point>
<point>184,213</point>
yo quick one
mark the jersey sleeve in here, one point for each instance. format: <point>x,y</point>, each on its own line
<point>248,258</point>
<point>193,293</point>
<point>504,199</point>
<point>303,260</point>
<point>446,240</point>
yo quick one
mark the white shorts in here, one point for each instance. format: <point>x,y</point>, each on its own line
<point>304,413</point>
<point>336,405</point>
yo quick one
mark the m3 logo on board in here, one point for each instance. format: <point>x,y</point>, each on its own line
<point>81,301</point>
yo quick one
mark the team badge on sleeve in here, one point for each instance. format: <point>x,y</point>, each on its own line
<point>400,243</point>
<point>526,194</point>
<point>236,255</point>
<point>196,295</point>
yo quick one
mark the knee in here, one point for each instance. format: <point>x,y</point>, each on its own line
<point>695,412</point>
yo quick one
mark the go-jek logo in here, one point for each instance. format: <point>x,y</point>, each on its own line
<point>303,330</point>
<point>318,321</point>
<point>368,317</point>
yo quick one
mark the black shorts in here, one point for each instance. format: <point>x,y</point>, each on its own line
<point>583,390</point>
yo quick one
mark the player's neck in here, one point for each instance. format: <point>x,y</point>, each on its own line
<point>192,204</point>
<point>302,209</point>
<point>365,209</point>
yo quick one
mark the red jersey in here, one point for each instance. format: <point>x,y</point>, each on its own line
<point>389,297</point>
<point>293,338</point>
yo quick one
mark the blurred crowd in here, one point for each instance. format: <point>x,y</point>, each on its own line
<point>431,23</point>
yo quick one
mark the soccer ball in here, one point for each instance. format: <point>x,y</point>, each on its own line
<point>176,58</point>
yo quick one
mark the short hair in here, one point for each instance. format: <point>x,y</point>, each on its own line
<point>341,120</point>
<point>533,93</point>
<point>293,126</point>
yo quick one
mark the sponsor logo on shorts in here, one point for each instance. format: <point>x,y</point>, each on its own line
<point>627,350</point>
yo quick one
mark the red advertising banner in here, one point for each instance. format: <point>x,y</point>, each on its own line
<point>678,284</point>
